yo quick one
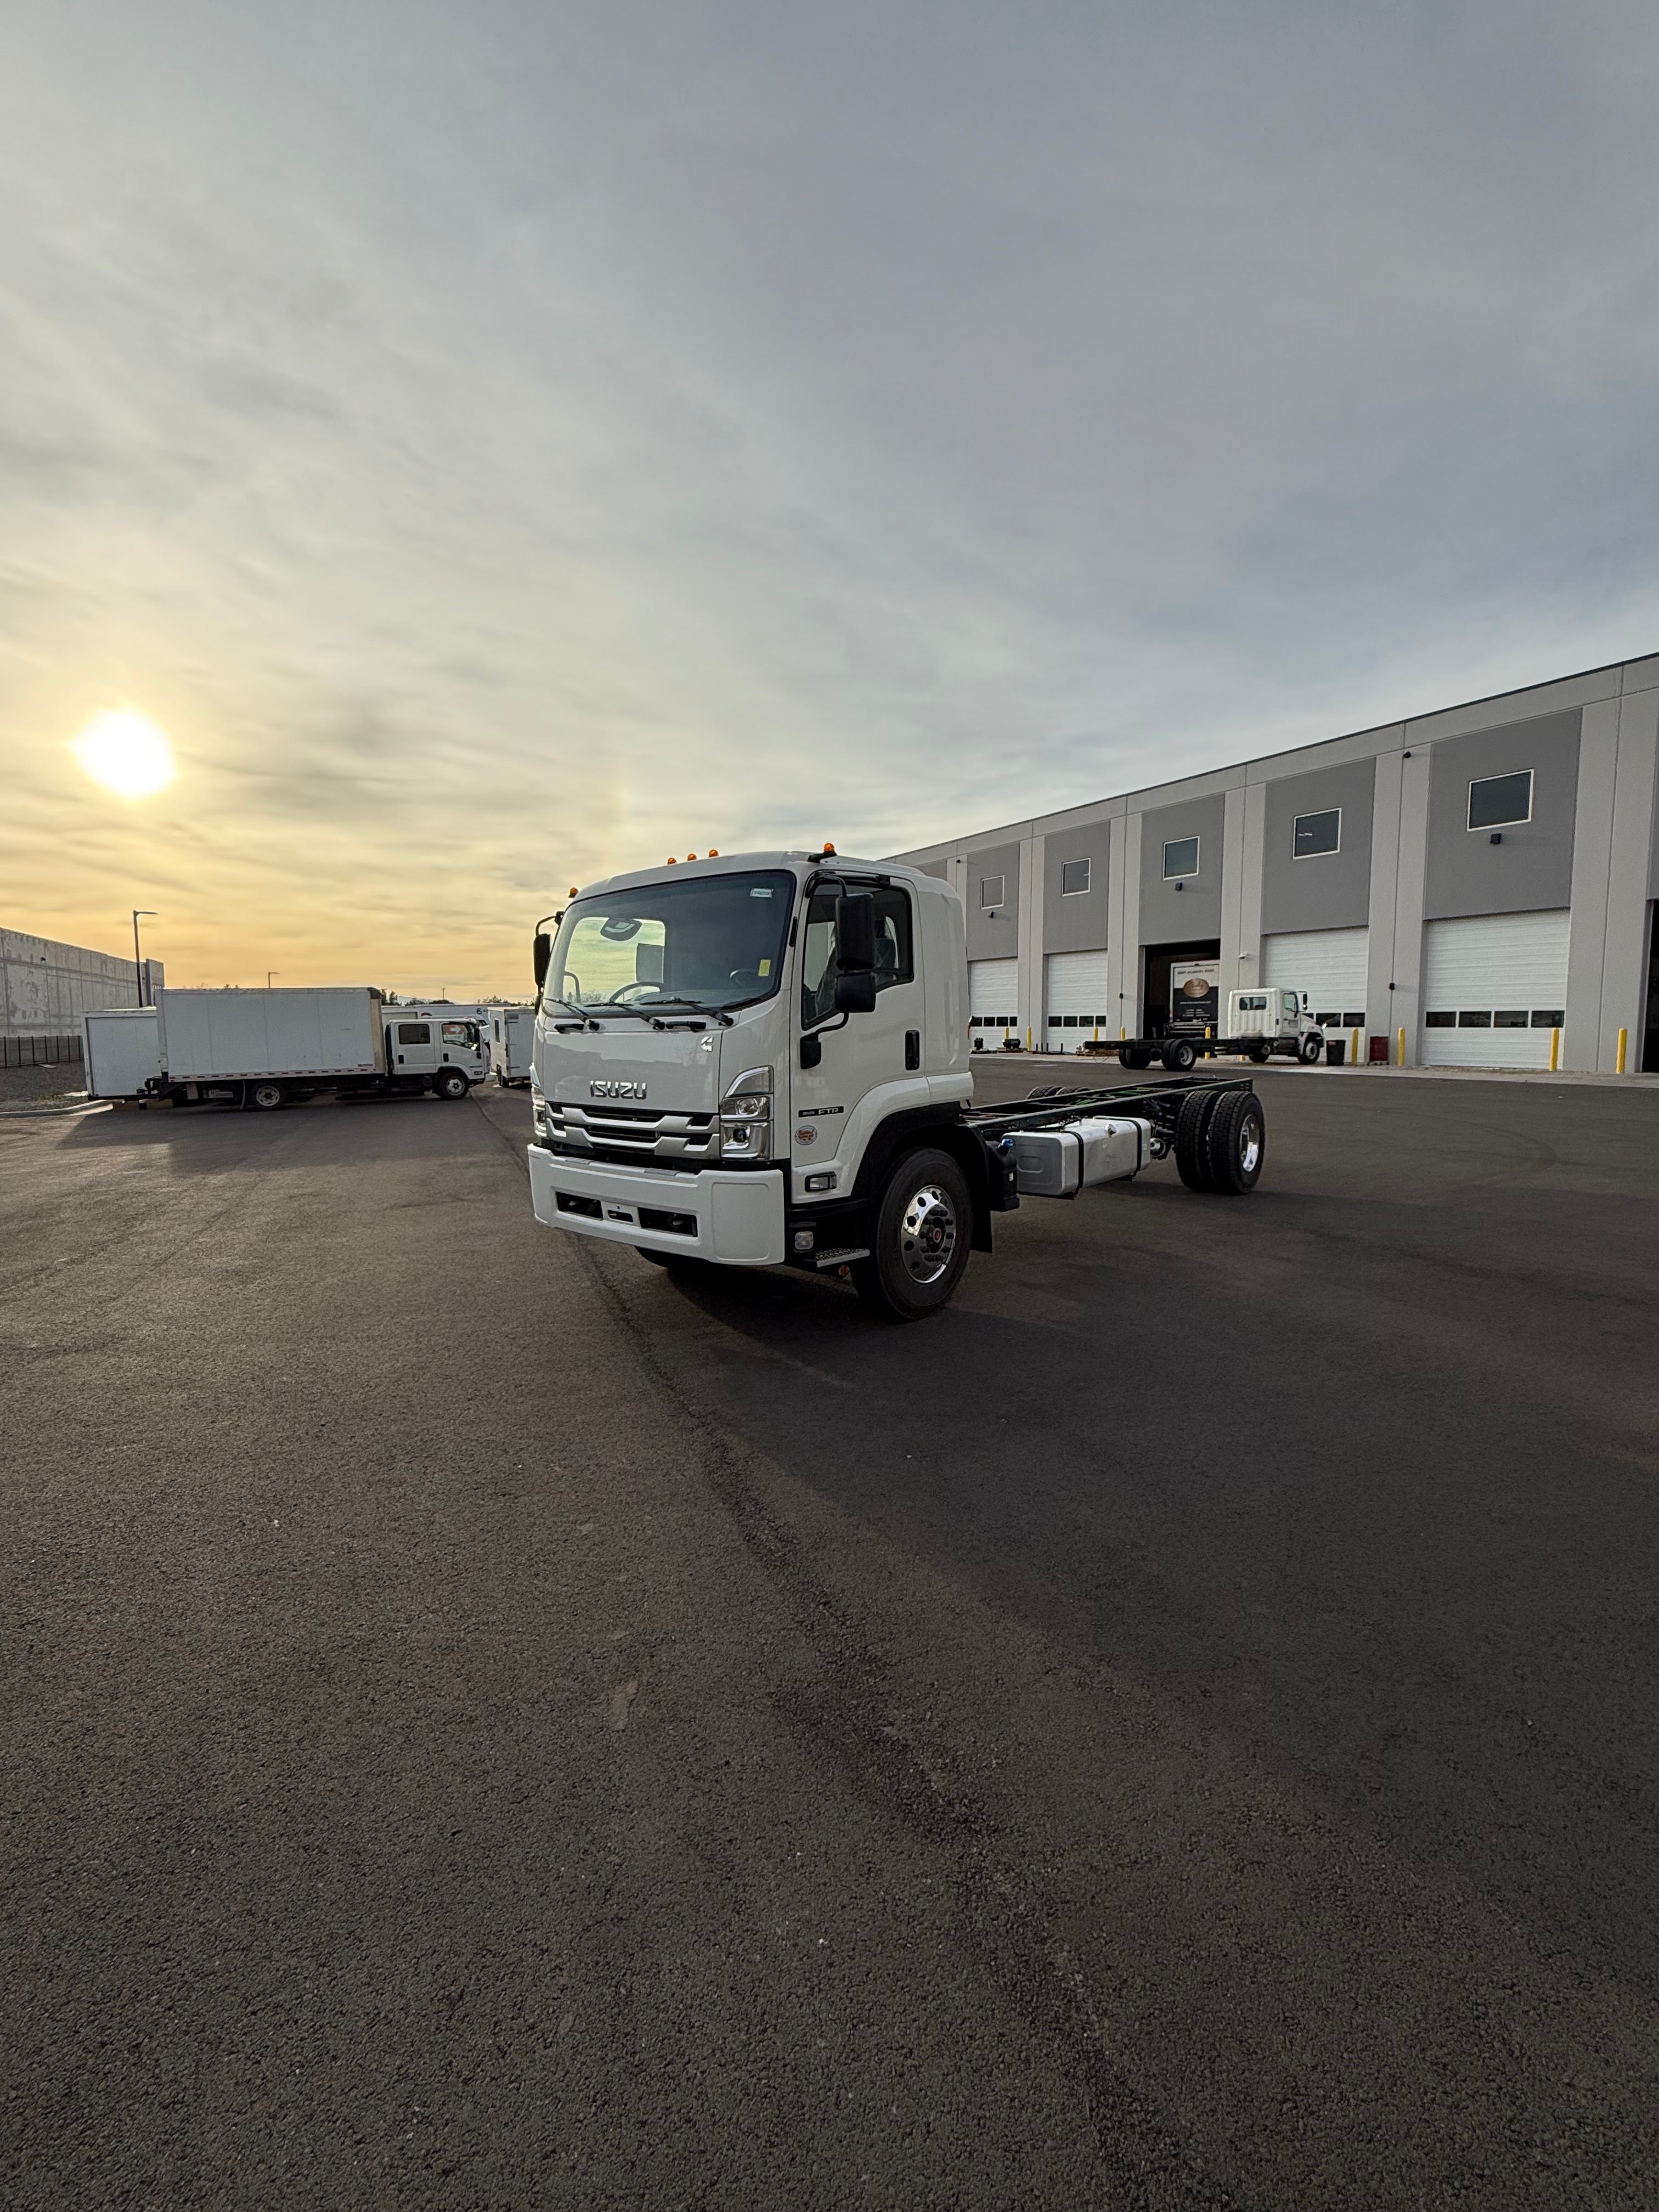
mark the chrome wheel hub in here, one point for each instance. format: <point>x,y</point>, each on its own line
<point>928,1235</point>
<point>1249,1148</point>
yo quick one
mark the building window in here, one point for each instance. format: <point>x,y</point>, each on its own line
<point>1181,857</point>
<point>1073,877</point>
<point>1318,833</point>
<point>1495,801</point>
<point>990,891</point>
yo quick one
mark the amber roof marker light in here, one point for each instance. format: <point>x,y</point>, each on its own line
<point>831,850</point>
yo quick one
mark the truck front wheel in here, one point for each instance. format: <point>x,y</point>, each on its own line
<point>1312,1049</point>
<point>450,1084</point>
<point>266,1096</point>
<point>1180,1056</point>
<point>924,1220</point>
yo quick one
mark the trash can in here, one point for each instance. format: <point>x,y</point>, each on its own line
<point>1336,1051</point>
<point>1379,1052</point>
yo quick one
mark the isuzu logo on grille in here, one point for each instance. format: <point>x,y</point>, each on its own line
<point>610,1089</point>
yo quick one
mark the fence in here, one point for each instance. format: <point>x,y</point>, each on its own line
<point>39,1051</point>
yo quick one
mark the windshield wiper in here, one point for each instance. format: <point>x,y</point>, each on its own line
<point>713,1013</point>
<point>580,1013</point>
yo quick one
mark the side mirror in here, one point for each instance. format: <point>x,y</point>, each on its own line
<point>855,994</point>
<point>543,953</point>
<point>855,938</point>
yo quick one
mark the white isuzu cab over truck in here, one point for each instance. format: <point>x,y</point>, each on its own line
<point>762,1060</point>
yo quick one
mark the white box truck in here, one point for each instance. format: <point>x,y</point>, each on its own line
<point>122,1051</point>
<point>764,1059</point>
<point>512,1042</point>
<point>262,1048</point>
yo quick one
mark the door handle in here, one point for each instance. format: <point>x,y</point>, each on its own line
<point>913,1049</point>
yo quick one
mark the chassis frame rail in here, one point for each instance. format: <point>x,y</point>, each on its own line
<point>1051,1107</point>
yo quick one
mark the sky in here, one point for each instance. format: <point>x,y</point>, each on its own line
<point>504,444</point>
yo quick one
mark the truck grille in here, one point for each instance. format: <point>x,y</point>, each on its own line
<point>601,1131</point>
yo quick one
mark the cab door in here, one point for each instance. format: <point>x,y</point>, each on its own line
<point>860,1053</point>
<point>411,1048</point>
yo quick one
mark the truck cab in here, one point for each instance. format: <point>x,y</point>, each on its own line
<point>1271,1019</point>
<point>435,1047</point>
<point>732,1056</point>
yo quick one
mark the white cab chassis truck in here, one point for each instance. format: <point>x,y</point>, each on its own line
<point>262,1048</point>
<point>1261,1021</point>
<point>762,1060</point>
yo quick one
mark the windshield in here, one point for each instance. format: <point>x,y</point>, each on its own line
<point>710,941</point>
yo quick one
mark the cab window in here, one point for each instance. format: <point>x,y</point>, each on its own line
<point>461,1033</point>
<point>895,950</point>
<point>414,1032</point>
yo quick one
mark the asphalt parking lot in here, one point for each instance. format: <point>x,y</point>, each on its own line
<point>486,1725</point>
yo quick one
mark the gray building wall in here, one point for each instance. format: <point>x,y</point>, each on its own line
<point>1531,868</point>
<point>1168,915</point>
<point>1407,856</point>
<point>988,939</point>
<point>1076,921</point>
<point>46,986</point>
<point>1325,891</point>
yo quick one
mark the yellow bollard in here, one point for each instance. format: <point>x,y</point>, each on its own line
<point>1354,1048</point>
<point>1555,1050</point>
<point>1121,1033</point>
<point>1402,1047</point>
<point>1028,1040</point>
<point>1623,1039</point>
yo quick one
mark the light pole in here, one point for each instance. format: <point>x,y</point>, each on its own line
<point>138,961</point>
<point>270,972</point>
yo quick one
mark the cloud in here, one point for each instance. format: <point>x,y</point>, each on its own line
<point>506,448</point>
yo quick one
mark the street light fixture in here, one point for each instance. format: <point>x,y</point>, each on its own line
<point>137,960</point>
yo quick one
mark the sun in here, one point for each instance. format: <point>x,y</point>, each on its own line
<point>126,752</point>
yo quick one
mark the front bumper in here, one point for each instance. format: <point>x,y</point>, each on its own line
<point>734,1217</point>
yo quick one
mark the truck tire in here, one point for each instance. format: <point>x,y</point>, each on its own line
<point>1259,1054</point>
<point>451,1083</point>
<point>1180,1055</point>
<point>1311,1051</point>
<point>1235,1144</point>
<point>266,1097</point>
<point>924,1220</point>
<point>1192,1149</point>
<point>1131,1056</point>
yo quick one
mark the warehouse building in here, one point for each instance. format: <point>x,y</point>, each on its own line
<point>1483,880</point>
<point>45,988</point>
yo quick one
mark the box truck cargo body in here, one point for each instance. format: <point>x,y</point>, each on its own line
<point>123,1054</point>
<point>216,1036</point>
<point>512,1040</point>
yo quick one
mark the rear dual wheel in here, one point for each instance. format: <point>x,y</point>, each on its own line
<point>1221,1141</point>
<point>1180,1056</point>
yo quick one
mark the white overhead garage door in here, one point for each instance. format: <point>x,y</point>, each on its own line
<point>1077,1004</point>
<point>993,1001</point>
<point>1328,964</point>
<point>1494,986</point>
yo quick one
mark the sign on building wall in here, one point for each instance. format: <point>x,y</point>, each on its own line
<point>1194,993</point>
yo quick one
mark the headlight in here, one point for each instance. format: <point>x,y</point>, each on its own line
<point>747,1115</point>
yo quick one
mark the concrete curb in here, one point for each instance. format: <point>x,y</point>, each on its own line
<point>53,1113</point>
